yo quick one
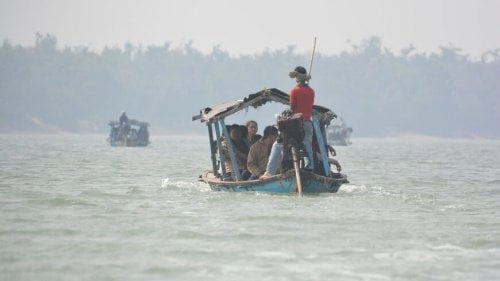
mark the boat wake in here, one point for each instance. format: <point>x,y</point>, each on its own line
<point>352,188</point>
<point>183,184</point>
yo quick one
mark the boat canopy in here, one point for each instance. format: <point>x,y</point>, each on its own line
<point>213,113</point>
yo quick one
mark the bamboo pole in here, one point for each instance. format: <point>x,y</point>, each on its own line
<point>312,56</point>
<point>297,170</point>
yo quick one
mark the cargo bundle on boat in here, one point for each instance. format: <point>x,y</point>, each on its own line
<point>292,177</point>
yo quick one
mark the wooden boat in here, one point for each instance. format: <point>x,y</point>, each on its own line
<point>280,183</point>
<point>339,133</point>
<point>133,133</point>
<point>284,182</point>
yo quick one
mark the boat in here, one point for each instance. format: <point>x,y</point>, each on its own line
<point>339,133</point>
<point>290,180</point>
<point>130,133</point>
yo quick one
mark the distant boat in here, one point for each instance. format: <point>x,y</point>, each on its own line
<point>286,181</point>
<point>339,133</point>
<point>131,133</point>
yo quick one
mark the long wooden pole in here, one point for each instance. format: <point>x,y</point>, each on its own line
<point>312,56</point>
<point>297,170</point>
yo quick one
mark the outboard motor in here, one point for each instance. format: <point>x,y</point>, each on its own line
<point>292,135</point>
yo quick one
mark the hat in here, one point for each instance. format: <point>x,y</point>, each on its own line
<point>300,69</point>
<point>300,73</point>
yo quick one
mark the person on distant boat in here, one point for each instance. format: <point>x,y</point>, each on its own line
<point>240,150</point>
<point>123,119</point>
<point>302,101</point>
<point>252,129</point>
<point>259,153</point>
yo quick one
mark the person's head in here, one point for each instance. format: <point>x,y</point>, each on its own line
<point>252,128</point>
<point>244,131</point>
<point>300,75</point>
<point>270,134</point>
<point>235,132</point>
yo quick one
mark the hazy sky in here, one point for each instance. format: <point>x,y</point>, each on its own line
<point>252,26</point>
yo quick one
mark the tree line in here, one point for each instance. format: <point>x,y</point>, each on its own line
<point>44,88</point>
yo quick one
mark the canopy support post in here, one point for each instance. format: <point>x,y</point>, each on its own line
<point>219,146</point>
<point>212,149</point>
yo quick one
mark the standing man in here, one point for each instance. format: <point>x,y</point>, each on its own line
<point>301,101</point>
<point>123,118</point>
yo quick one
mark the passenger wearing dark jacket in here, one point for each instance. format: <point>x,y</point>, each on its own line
<point>240,150</point>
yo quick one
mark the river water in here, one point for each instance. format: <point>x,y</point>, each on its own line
<point>73,208</point>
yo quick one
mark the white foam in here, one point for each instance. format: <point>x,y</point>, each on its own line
<point>446,247</point>
<point>350,188</point>
<point>164,182</point>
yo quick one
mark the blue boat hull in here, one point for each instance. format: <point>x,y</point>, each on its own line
<point>282,183</point>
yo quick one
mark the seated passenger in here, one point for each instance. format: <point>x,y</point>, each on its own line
<point>252,129</point>
<point>244,134</point>
<point>143,134</point>
<point>125,130</point>
<point>240,150</point>
<point>281,157</point>
<point>114,133</point>
<point>259,153</point>
<point>133,135</point>
<point>275,157</point>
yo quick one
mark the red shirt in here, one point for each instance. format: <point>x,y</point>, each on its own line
<point>302,98</point>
